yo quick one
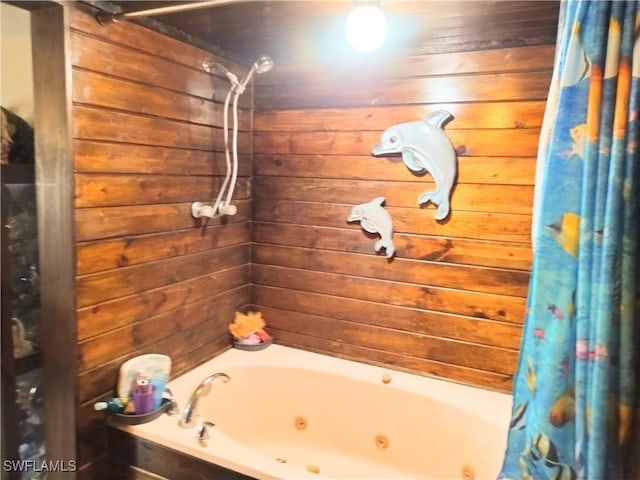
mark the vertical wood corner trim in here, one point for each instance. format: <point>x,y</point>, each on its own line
<point>54,184</point>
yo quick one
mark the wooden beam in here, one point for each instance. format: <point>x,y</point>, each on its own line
<point>52,99</point>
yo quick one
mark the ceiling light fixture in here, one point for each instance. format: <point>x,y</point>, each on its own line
<point>366,28</point>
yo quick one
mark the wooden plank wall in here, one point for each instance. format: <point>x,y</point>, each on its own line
<point>148,141</point>
<point>451,303</point>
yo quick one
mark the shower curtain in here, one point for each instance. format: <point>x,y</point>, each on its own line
<point>575,392</point>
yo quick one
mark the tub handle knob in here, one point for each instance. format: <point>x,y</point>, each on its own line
<point>203,432</point>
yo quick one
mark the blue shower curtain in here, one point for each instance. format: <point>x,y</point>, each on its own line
<point>575,392</point>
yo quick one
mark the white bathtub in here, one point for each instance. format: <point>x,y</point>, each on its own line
<point>292,414</point>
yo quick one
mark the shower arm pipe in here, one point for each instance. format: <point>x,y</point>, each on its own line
<point>242,86</point>
<point>106,18</point>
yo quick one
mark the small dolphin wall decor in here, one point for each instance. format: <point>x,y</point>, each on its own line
<point>374,218</point>
<point>425,147</point>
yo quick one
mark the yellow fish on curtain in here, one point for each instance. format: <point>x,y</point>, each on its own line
<point>575,390</point>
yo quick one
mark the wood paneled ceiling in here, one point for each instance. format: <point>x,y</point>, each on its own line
<point>306,31</point>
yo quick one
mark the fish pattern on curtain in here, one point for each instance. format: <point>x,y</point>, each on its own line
<point>575,388</point>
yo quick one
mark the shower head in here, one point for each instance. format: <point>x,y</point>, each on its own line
<point>210,67</point>
<point>263,64</point>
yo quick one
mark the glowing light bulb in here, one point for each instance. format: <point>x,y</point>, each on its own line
<point>366,28</point>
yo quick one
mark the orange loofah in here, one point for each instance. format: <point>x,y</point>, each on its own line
<point>245,324</point>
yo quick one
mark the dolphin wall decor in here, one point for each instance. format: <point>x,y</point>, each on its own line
<point>374,218</point>
<point>425,147</point>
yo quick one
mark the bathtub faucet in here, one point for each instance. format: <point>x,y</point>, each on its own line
<point>190,412</point>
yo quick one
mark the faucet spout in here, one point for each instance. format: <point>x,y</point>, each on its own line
<point>190,411</point>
